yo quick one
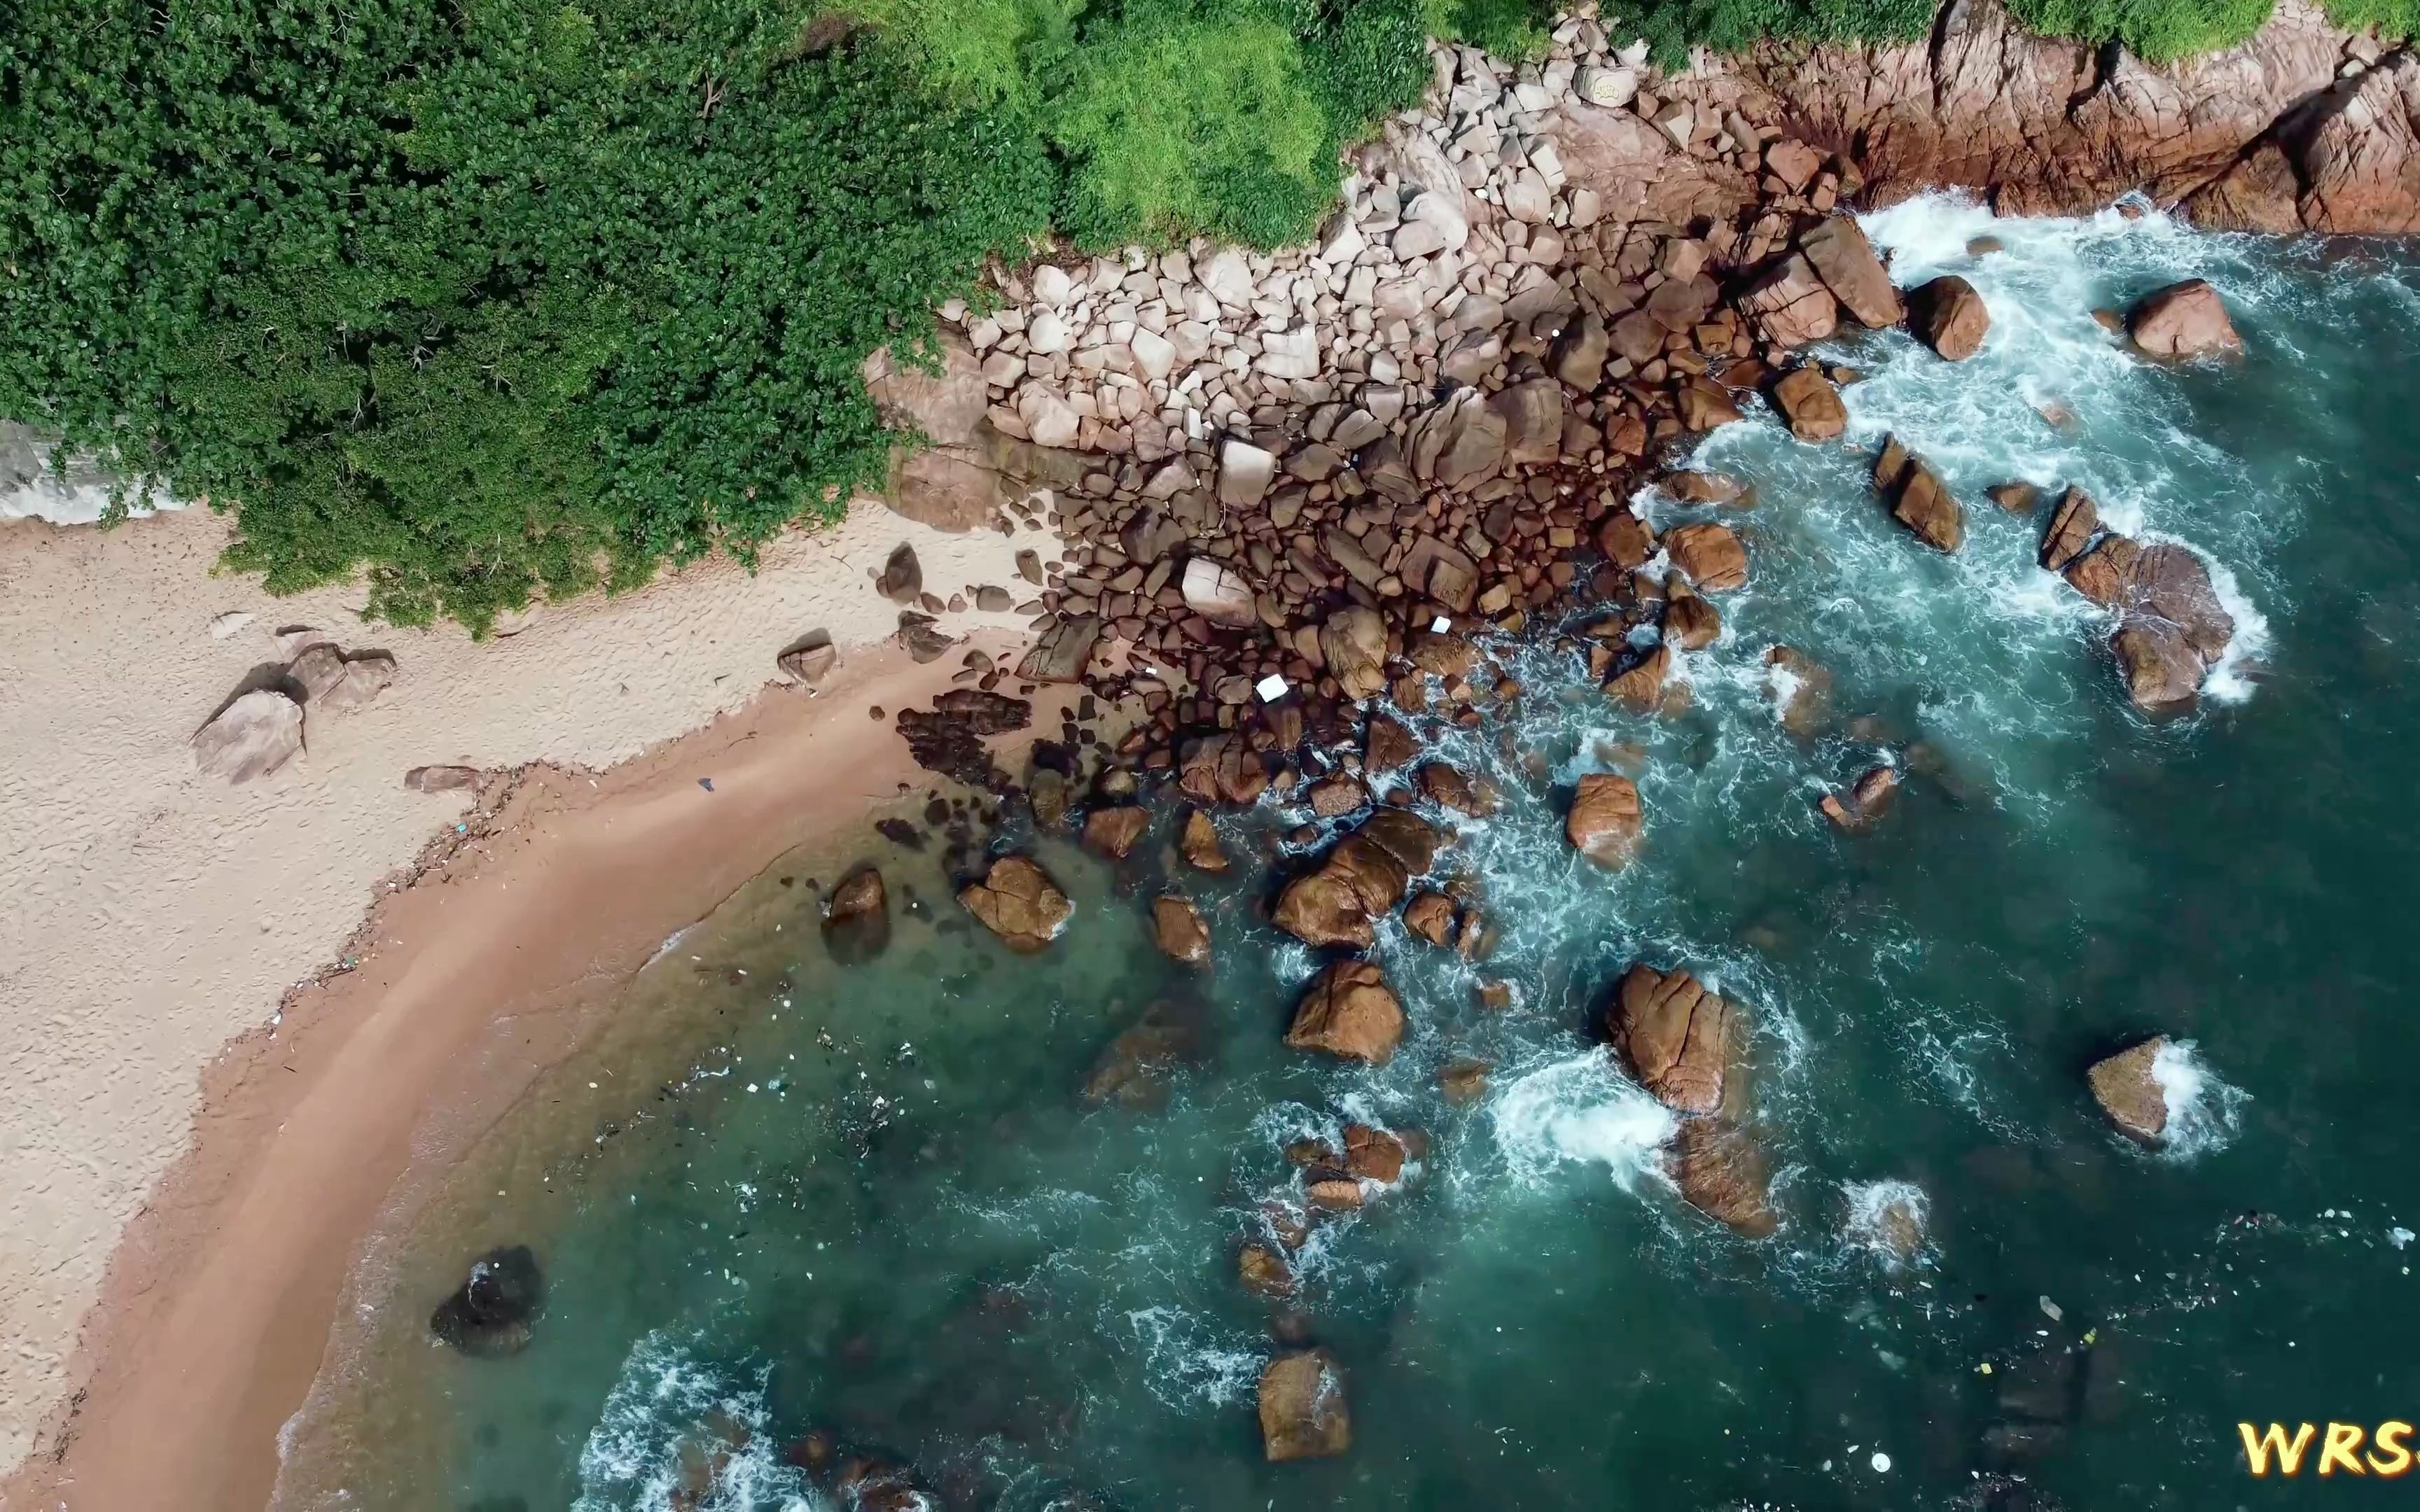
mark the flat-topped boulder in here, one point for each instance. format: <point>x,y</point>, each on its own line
<point>1017,901</point>
<point>1302,1408</point>
<point>2184,319</point>
<point>1178,929</point>
<point>1722,1172</point>
<point>1918,499</point>
<point>1676,1037</point>
<point>2127,1087</point>
<point>1349,1013</point>
<point>1606,819</point>
<point>1114,830</point>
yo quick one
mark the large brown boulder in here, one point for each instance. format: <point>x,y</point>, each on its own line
<point>1533,420</point>
<point>1134,1070</point>
<point>1722,1172</point>
<point>1811,404</point>
<point>1198,842</point>
<point>1789,305</point>
<point>1222,768</point>
<point>2128,1090</point>
<point>1177,928</point>
<point>1017,901</point>
<point>2186,319</point>
<point>2073,522</point>
<point>1062,652</point>
<point>2157,663</point>
<point>1459,443</point>
<point>1413,842</point>
<point>1606,819</point>
<point>1676,1037</point>
<point>1113,832</point>
<point>1918,499</point>
<point>1303,1412</point>
<point>2106,574</point>
<point>1845,260</point>
<point>857,918</point>
<point>1362,879</point>
<point>1947,316</point>
<point>2171,583</point>
<point>1385,744</point>
<point>1349,1013</point>
<point>947,405</point>
<point>1690,622</point>
<point>1639,687</point>
<point>1353,642</point>
<point>1708,555</point>
<point>254,735</point>
<point>1625,540</point>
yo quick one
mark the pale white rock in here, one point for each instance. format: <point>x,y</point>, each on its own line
<point>223,626</point>
<point>1046,332</point>
<point>1530,96</point>
<point>1200,304</point>
<point>1011,318</point>
<point>1003,370</point>
<point>1052,285</point>
<point>1634,55</point>
<point>250,737</point>
<point>1228,278</point>
<point>1155,356</point>
<point>1191,339</point>
<point>1244,472</point>
<point>1342,241</point>
<point>1527,198</point>
<point>1548,163</point>
<point>1443,211</point>
<point>984,334</point>
<point>1676,120</point>
<point>1609,88</point>
<point>1586,208</point>
<point>1217,592</point>
<point>1050,420</point>
<point>1171,478</point>
<point>1290,354</point>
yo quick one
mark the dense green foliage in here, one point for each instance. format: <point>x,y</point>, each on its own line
<point>2160,30</point>
<point>494,299</point>
<point>502,298</point>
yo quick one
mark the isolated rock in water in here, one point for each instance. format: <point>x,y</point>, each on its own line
<point>1354,644</point>
<point>1176,925</point>
<point>1112,832</point>
<point>1802,687</point>
<point>250,737</point>
<point>2016,497</point>
<point>491,1314</point>
<point>857,920</point>
<point>1061,654</point>
<point>809,659</point>
<point>1865,802</point>
<point>1722,1172</point>
<point>902,576</point>
<point>1017,901</point>
<point>1264,1273</point>
<point>1606,819</point>
<point>1676,1037</point>
<point>1812,405</point>
<point>1430,916</point>
<point>2186,319</point>
<point>1697,487</point>
<point>1947,316</point>
<point>1303,1414</point>
<point>2172,583</point>
<point>1918,499</point>
<point>1199,844</point>
<point>2159,667</point>
<point>1711,556</point>
<point>1351,1012</point>
<point>1464,1081</point>
<point>2128,1088</point>
<point>2073,522</point>
<point>442,778</point>
<point>1845,260</point>
<point>1222,768</point>
<point>1134,1070</point>
<point>1373,1154</point>
<point>1219,594</point>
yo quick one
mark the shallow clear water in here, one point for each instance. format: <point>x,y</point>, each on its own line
<point>871,1199</point>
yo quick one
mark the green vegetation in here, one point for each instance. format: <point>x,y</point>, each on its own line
<point>496,298</point>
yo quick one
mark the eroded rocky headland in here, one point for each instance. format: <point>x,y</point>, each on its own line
<point>1303,495</point>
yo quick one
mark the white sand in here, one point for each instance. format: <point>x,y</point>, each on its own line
<point>149,915</point>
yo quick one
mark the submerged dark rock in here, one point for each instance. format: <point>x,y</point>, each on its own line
<point>491,1314</point>
<point>857,921</point>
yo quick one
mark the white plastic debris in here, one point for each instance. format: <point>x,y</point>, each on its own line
<point>2051,1310</point>
<point>1270,688</point>
<point>1440,624</point>
<point>1882,1463</point>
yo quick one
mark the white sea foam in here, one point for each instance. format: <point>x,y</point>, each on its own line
<point>1578,1110</point>
<point>1881,1213</point>
<point>2204,1112</point>
<point>672,1424</point>
<point>1190,1363</point>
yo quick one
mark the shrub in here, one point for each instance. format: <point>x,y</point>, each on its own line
<point>2160,31</point>
<point>2394,20</point>
<point>495,300</point>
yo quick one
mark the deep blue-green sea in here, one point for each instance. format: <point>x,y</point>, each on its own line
<point>777,1194</point>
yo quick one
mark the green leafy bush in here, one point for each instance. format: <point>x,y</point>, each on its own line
<point>1674,26</point>
<point>2396,19</point>
<point>2160,31</point>
<point>496,300</point>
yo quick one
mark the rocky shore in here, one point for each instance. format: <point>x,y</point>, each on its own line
<point>1298,492</point>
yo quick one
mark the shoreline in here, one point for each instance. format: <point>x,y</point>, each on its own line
<point>217,1314</point>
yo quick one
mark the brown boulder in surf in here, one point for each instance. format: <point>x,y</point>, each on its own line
<point>1722,1172</point>
<point>1177,928</point>
<point>1675,1035</point>
<point>2186,319</point>
<point>1302,1408</point>
<point>1349,1013</point>
<point>2128,1092</point>
<point>1017,901</point>
<point>856,920</point>
<point>1606,819</point>
<point>1947,316</point>
<point>1918,499</point>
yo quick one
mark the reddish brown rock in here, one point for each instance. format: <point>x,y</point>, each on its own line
<point>2016,497</point>
<point>1113,832</point>
<point>857,917</point>
<point>1789,305</point>
<point>1676,1037</point>
<point>1332,797</point>
<point>1177,928</point>
<point>1947,316</point>
<point>1845,261</point>
<point>1430,916</point>
<point>2106,574</point>
<point>2186,319</point>
<point>1864,800</point>
<point>2130,1093</point>
<point>1690,622</point>
<point>1385,744</point>
<point>1606,819</point>
<point>1811,404</point>
<point>1723,1174</point>
<point>1303,1412</point>
<point>1639,687</point>
<point>2160,667</point>
<point>1802,687</point>
<point>1135,1069</point>
<point>1625,540</point>
<point>1222,768</point>
<point>1708,555</point>
<point>1373,1154</point>
<point>1696,487</point>
<point>2073,522</point>
<point>1199,844</point>
<point>1017,901</point>
<point>1264,1273</point>
<point>1464,1081</point>
<point>1918,499</point>
<point>1349,1013</point>
<point>1352,641</point>
<point>1452,788</point>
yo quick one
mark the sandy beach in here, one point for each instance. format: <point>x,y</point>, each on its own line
<point>222,1065</point>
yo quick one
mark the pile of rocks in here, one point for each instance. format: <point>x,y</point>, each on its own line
<point>259,727</point>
